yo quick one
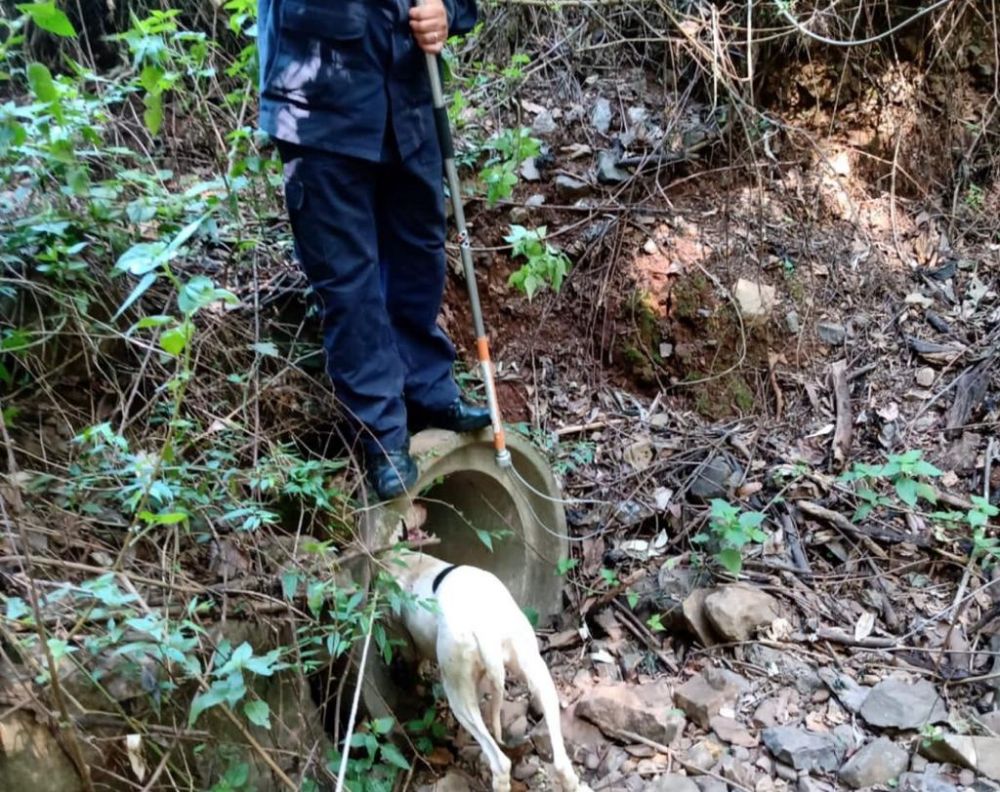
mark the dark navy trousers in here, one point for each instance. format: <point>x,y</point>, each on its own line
<point>370,238</point>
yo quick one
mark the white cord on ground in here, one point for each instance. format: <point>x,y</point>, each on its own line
<point>782,6</point>
<point>342,773</point>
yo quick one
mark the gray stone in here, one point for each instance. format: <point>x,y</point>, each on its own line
<point>544,124</point>
<point>877,763</point>
<point>925,377</point>
<point>31,758</point>
<point>706,694</point>
<point>737,611</point>
<point>710,784</point>
<point>831,334</point>
<point>527,768</point>
<point>519,215</point>
<point>804,750</point>
<point>693,612</point>
<point>569,187</point>
<point>785,667</point>
<point>737,771</point>
<point>807,784</point>
<point>646,711</point>
<point>897,704</point>
<point>925,782</point>
<point>754,298</point>
<point>981,754</point>
<point>792,322</point>
<point>673,783</point>
<point>848,692</point>
<point>600,116</point>
<point>789,774</point>
<point>608,171</point>
<point>704,755</point>
<point>529,170</point>
<point>716,478</point>
<point>535,200</point>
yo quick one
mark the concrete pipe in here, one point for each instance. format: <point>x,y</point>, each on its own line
<point>465,490</point>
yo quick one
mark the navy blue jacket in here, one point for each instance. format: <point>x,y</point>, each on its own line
<point>333,73</point>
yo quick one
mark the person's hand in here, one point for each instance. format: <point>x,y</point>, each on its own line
<point>429,23</point>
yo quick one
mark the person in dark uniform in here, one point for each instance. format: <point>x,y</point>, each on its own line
<point>346,97</point>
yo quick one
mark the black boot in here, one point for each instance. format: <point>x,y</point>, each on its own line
<point>459,416</point>
<point>391,472</point>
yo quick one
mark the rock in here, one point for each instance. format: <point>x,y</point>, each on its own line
<point>738,771</point>
<point>737,611</point>
<point>646,711</point>
<point>755,299</point>
<point>580,736</point>
<point>529,170</point>
<point>831,334</point>
<point>673,783</point>
<point>30,757</point>
<point>453,781</point>
<point>981,754</point>
<point>693,610</point>
<point>898,704</point>
<point>877,763</point>
<point>710,784</point>
<point>807,784</point>
<point>519,215</point>
<point>535,200</point>
<point>704,755</point>
<point>569,187</point>
<point>804,750</point>
<point>848,692</point>
<point>600,116</point>
<point>544,124</point>
<point>786,667</point>
<point>790,774</point>
<point>924,782</point>
<point>705,695</point>
<point>731,731</point>
<point>716,478</point>
<point>792,322</point>
<point>925,377</point>
<point>527,768</point>
<point>966,778</point>
<point>608,171</point>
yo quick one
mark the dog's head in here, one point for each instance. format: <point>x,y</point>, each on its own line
<point>410,525</point>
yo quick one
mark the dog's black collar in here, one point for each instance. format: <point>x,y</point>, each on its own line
<point>441,576</point>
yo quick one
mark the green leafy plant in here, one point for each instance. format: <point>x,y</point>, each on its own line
<point>985,548</point>
<point>427,731</point>
<point>730,530</point>
<point>564,565</point>
<point>375,762</point>
<point>508,150</point>
<point>902,471</point>
<point>546,265</point>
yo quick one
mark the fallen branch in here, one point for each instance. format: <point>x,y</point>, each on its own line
<point>839,521</point>
<point>842,402</point>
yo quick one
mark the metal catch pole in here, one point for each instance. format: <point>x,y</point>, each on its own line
<point>465,251</point>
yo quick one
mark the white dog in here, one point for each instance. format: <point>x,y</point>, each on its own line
<point>475,633</point>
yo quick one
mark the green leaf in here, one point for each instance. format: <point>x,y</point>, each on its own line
<point>485,538</point>
<point>906,488</point>
<point>16,608</point>
<point>266,348</point>
<point>632,598</point>
<point>392,755</point>
<point>174,340</point>
<point>927,492</point>
<point>751,520</point>
<point>49,18</point>
<point>164,518</point>
<point>924,468</point>
<point>264,664</point>
<point>41,82</point>
<point>258,713</point>
<point>564,565</point>
<point>152,116</point>
<point>383,725</point>
<point>141,258</point>
<point>731,559</point>
<point>531,615</point>
<point>212,697</point>
<point>289,584</point>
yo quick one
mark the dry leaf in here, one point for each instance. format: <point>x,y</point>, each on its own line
<point>133,745</point>
<point>865,625</point>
